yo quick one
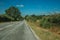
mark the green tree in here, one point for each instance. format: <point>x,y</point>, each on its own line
<point>14,12</point>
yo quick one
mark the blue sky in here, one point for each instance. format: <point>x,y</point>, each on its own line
<point>28,7</point>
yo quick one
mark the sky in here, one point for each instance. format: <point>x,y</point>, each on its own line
<point>29,7</point>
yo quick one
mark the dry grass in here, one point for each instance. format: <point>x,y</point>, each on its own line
<point>43,33</point>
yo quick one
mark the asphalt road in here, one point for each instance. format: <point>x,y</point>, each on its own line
<point>15,31</point>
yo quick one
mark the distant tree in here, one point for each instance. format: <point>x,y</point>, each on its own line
<point>14,12</point>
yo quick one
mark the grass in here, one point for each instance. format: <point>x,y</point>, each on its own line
<point>43,33</point>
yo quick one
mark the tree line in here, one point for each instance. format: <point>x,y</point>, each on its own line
<point>45,21</point>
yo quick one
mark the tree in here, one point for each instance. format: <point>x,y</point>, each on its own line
<point>14,12</point>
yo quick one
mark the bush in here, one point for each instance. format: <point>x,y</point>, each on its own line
<point>45,23</point>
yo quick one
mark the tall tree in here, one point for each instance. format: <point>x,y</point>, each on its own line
<point>14,12</point>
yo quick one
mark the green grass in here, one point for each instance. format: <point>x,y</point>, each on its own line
<point>44,34</point>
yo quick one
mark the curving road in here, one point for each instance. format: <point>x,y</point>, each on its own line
<point>15,31</point>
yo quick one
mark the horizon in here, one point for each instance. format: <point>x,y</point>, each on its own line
<point>29,7</point>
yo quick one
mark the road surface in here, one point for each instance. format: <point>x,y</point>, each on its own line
<point>15,31</point>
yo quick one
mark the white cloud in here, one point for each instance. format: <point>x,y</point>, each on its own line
<point>20,5</point>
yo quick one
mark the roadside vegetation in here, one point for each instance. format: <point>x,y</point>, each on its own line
<point>47,27</point>
<point>11,14</point>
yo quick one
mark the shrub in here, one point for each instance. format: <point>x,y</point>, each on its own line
<point>45,23</point>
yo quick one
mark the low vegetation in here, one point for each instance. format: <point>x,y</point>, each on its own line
<point>51,22</point>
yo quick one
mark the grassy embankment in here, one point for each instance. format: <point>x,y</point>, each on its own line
<point>44,34</point>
